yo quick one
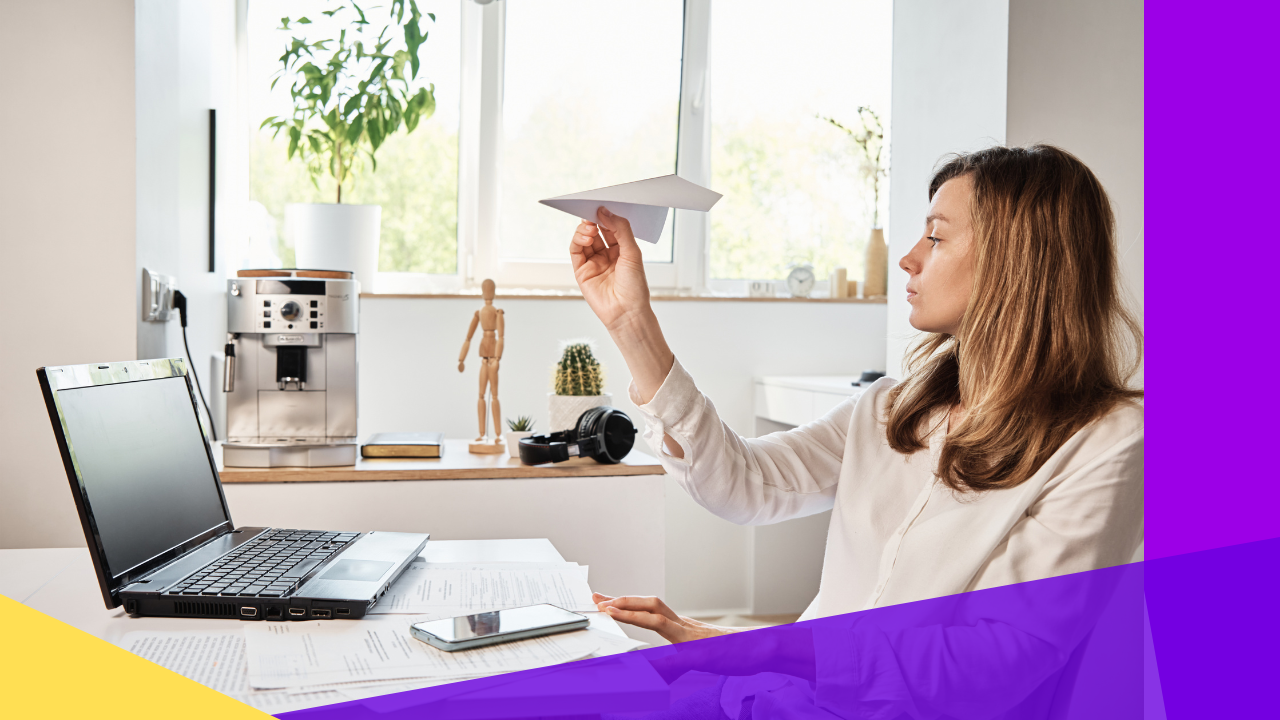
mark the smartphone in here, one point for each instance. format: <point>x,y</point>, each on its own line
<point>489,628</point>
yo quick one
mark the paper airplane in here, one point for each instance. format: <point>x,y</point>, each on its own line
<point>643,203</point>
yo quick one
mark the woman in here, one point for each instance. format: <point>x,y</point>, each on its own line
<point>1013,451</point>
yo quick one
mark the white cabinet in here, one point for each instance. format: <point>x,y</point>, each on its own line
<point>786,558</point>
<point>795,401</point>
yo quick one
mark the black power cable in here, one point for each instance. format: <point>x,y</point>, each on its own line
<point>180,302</point>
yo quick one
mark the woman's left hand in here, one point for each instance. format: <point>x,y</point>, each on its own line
<point>653,614</point>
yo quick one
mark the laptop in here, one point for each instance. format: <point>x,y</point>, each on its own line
<point>157,523</point>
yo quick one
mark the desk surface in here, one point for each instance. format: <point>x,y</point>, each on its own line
<point>455,464</point>
<point>60,582</point>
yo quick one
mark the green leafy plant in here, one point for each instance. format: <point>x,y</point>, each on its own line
<point>351,92</point>
<point>578,372</point>
<point>870,140</point>
<point>524,423</point>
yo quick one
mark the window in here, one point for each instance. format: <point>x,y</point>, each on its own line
<point>590,96</point>
<point>795,186</point>
<point>537,98</point>
<point>416,182</point>
<point>584,108</point>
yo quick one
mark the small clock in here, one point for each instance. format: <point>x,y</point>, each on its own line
<point>801,280</point>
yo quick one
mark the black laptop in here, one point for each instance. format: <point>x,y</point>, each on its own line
<point>156,521</point>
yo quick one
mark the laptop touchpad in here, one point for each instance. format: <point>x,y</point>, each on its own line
<point>356,570</point>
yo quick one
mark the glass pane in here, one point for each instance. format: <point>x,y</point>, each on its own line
<point>416,181</point>
<point>591,98</point>
<point>796,188</point>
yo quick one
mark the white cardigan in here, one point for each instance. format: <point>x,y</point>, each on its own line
<point>898,534</point>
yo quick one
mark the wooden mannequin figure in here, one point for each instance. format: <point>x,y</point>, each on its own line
<point>489,319</point>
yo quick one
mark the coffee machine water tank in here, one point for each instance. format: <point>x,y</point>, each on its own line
<point>290,378</point>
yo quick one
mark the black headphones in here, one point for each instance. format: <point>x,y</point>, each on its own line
<point>602,433</point>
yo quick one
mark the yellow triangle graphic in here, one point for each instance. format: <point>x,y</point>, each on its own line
<point>49,669</point>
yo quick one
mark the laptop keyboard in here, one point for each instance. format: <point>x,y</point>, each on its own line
<point>271,565</point>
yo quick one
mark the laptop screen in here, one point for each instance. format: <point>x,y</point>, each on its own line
<point>141,455</point>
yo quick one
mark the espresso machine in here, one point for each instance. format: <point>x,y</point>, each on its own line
<point>290,372</point>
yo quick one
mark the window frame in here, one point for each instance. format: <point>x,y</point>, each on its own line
<point>483,28</point>
<point>484,46</point>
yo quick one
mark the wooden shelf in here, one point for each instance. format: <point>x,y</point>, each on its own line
<point>456,464</point>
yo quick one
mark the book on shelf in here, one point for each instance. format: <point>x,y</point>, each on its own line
<point>403,445</point>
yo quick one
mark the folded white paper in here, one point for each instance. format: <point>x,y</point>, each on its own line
<point>643,203</point>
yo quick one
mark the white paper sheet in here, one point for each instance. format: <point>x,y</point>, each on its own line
<point>216,659</point>
<point>643,203</point>
<point>443,590</point>
<point>305,654</point>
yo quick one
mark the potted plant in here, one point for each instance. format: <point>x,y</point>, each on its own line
<point>870,142</point>
<point>351,90</point>
<point>521,427</point>
<point>579,386</point>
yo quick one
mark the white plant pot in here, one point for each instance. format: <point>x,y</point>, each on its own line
<point>513,442</point>
<point>326,236</point>
<point>566,409</point>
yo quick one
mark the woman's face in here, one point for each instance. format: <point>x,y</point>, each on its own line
<point>941,263</point>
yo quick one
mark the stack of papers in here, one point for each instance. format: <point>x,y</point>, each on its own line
<point>452,589</point>
<point>279,667</point>
<point>216,659</point>
<point>314,655</point>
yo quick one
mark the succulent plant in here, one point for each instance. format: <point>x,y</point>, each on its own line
<point>524,423</point>
<point>578,372</point>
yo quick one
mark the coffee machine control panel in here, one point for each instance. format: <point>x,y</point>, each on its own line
<point>291,314</point>
<point>261,305</point>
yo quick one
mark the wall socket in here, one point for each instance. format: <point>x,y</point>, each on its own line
<point>157,296</point>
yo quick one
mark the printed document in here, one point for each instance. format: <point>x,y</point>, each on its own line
<point>304,654</point>
<point>216,659</point>
<point>441,590</point>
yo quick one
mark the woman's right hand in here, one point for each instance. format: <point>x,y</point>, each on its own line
<point>612,281</point>
<point>611,277</point>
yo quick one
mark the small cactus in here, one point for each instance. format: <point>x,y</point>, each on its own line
<point>524,423</point>
<point>578,372</point>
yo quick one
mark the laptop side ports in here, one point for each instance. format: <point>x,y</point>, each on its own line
<point>319,613</point>
<point>342,611</point>
<point>249,611</point>
<point>297,612</point>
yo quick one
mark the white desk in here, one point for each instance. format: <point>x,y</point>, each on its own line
<point>60,583</point>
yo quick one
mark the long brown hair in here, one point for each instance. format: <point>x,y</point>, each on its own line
<point>1045,346</point>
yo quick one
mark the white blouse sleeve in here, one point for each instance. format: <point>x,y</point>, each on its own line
<point>747,481</point>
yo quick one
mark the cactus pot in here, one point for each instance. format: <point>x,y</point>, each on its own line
<point>566,409</point>
<point>513,442</point>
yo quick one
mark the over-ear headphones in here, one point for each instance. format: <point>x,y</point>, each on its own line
<point>603,433</point>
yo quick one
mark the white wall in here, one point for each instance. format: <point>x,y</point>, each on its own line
<point>970,75</point>
<point>66,234</point>
<point>185,66</point>
<point>949,79</point>
<point>1076,80</point>
<point>409,381</point>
